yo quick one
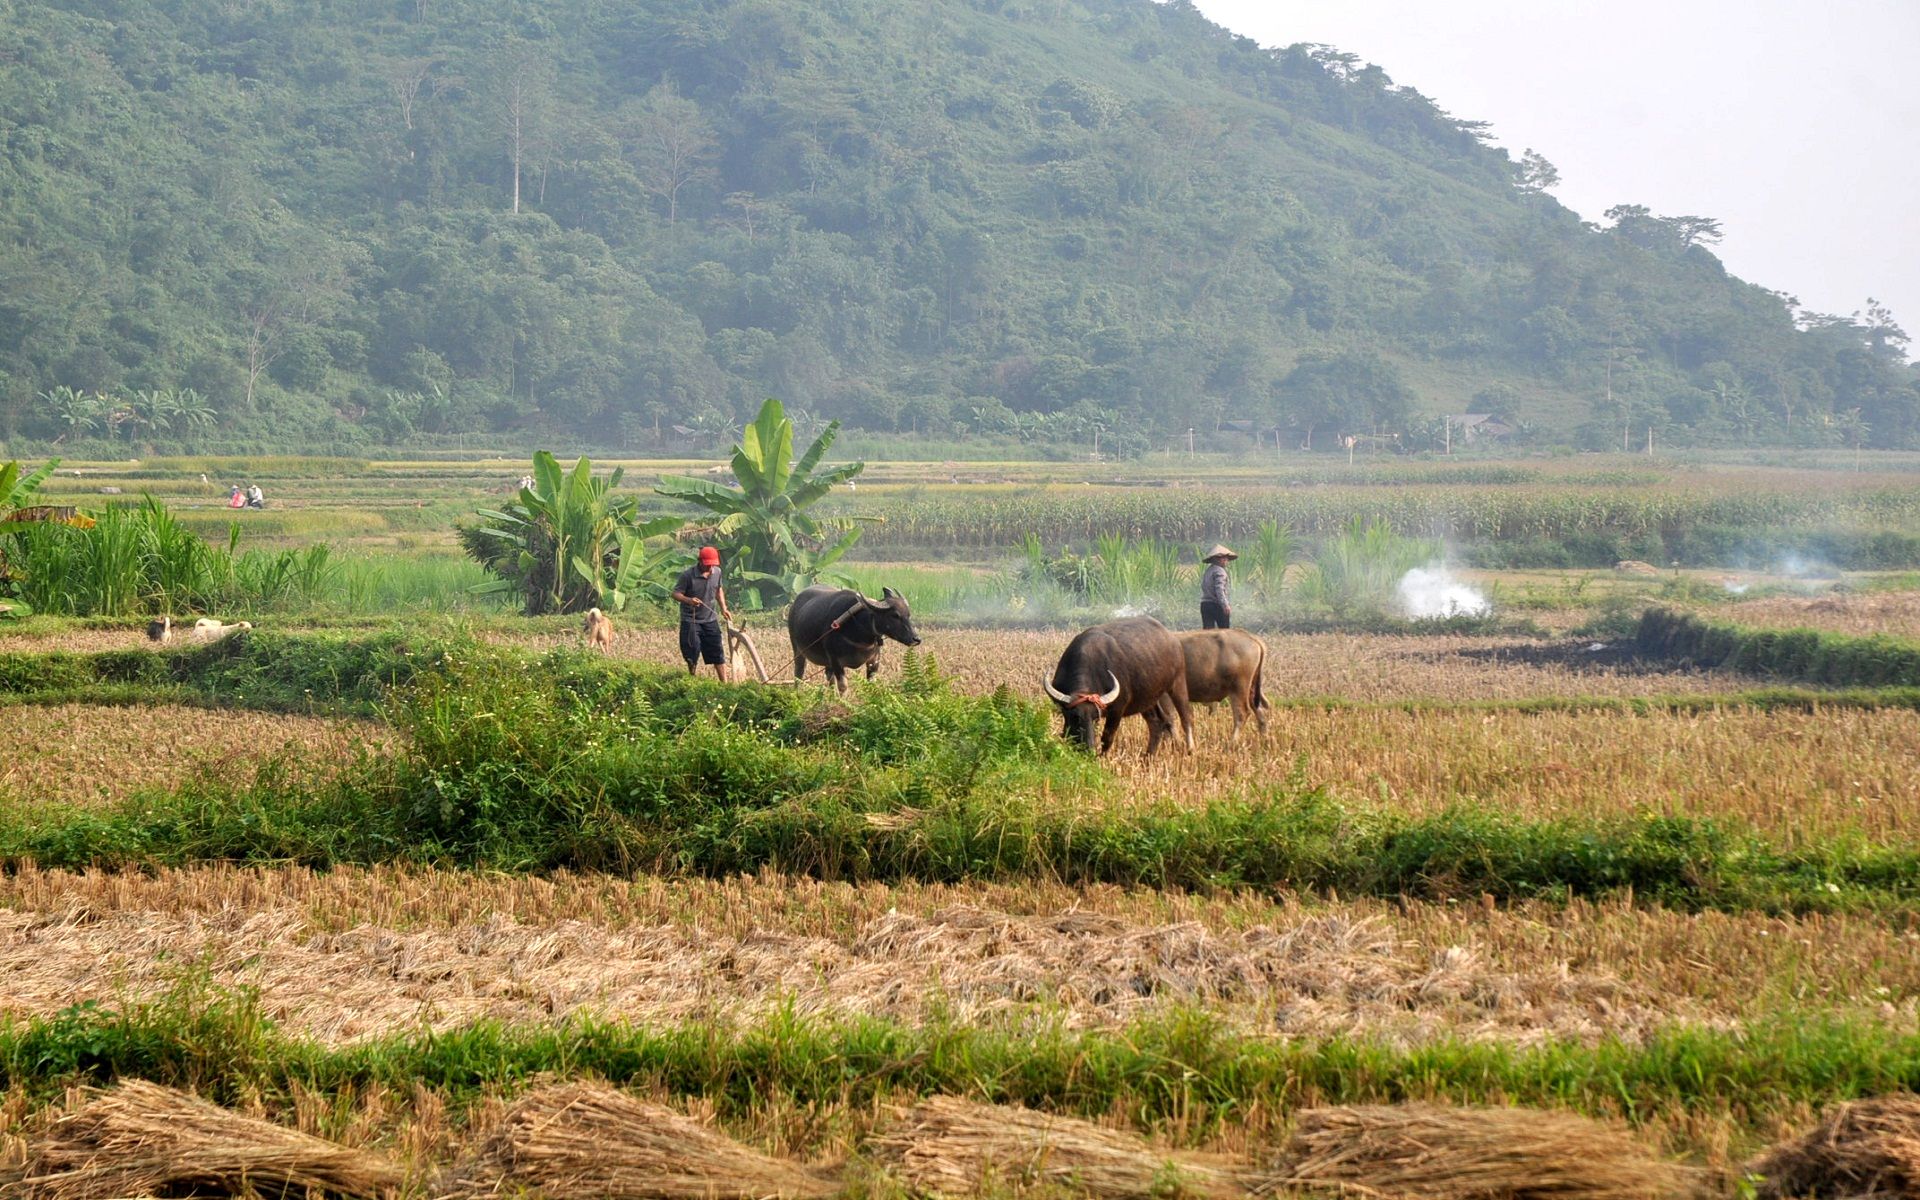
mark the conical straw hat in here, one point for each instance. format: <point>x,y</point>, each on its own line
<point>1219,551</point>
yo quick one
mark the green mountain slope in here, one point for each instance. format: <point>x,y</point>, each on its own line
<point>1029,217</point>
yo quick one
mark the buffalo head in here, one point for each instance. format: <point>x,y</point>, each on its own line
<point>891,618</point>
<point>1081,713</point>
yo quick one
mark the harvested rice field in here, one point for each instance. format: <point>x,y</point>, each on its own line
<point>1352,668</point>
<point>77,754</point>
<point>350,954</point>
<point>1708,944</point>
<point>1893,613</point>
<point>1801,776</point>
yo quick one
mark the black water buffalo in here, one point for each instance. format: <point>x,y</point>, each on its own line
<point>1118,670</point>
<point>1224,664</point>
<point>838,628</point>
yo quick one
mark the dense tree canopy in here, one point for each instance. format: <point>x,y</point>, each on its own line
<point>377,221</point>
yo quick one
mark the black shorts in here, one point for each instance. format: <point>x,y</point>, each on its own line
<point>702,639</point>
<point>1213,616</point>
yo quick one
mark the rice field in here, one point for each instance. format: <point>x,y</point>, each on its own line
<point>1348,668</point>
<point>369,961</point>
<point>74,754</point>
<point>354,954</point>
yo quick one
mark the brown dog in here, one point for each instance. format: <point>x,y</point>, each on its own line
<point>599,630</point>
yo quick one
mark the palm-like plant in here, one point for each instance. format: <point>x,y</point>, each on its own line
<point>17,488</point>
<point>77,412</point>
<point>776,547</point>
<point>568,543</point>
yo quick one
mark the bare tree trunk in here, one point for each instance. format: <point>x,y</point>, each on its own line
<point>516,150</point>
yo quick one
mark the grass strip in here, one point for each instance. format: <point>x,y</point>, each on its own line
<point>567,761</point>
<point>1804,655</point>
<point>1184,1068</point>
<point>352,671</point>
<point>694,810</point>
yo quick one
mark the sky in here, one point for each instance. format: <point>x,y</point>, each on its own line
<point>1795,123</point>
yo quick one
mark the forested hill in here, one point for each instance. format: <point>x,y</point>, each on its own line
<point>370,221</point>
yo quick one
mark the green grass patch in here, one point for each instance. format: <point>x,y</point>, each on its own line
<point>1804,655</point>
<point>569,760</point>
<point>1183,1072</point>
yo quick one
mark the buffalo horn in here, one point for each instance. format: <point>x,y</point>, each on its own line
<point>1114,694</point>
<point>1058,695</point>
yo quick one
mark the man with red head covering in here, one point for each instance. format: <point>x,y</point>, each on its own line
<point>702,603</point>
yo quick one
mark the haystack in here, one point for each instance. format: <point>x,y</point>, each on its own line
<point>1423,1152</point>
<point>583,1141</point>
<point>1866,1148</point>
<point>140,1139</point>
<point>1633,566</point>
<point>956,1147</point>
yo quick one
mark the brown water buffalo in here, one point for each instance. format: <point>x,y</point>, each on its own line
<point>839,628</point>
<point>1117,670</point>
<point>1225,664</point>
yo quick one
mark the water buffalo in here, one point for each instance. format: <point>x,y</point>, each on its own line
<point>1225,664</point>
<point>839,628</point>
<point>1118,670</point>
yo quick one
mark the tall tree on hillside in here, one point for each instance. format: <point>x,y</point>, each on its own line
<point>521,97</point>
<point>671,145</point>
<point>1535,173</point>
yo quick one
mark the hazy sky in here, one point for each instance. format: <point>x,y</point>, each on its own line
<point>1796,123</point>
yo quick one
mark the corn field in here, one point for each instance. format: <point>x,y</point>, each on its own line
<point>993,516</point>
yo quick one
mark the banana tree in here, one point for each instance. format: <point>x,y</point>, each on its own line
<point>17,488</point>
<point>568,543</point>
<point>775,545</point>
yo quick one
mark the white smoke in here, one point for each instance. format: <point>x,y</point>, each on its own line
<point>1135,610</point>
<point>1796,566</point>
<point>1432,592</point>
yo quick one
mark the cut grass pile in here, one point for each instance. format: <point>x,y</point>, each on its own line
<point>1860,1149</point>
<point>954,1147</point>
<point>139,1139</point>
<point>1436,1153</point>
<point>583,1141</point>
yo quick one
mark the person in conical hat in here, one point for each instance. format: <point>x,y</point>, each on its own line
<point>1216,607</point>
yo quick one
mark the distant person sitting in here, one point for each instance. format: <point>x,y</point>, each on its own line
<point>238,499</point>
<point>255,497</point>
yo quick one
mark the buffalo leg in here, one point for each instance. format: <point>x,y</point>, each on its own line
<point>1158,726</point>
<point>873,666</point>
<point>839,676</point>
<point>1111,733</point>
<point>1238,703</point>
<point>1179,694</point>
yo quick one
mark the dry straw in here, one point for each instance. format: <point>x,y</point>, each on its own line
<point>1865,1148</point>
<point>956,1147</point>
<point>1424,1152</point>
<point>583,1141</point>
<point>140,1139</point>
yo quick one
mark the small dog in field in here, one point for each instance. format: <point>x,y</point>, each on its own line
<point>599,631</point>
<point>160,629</point>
